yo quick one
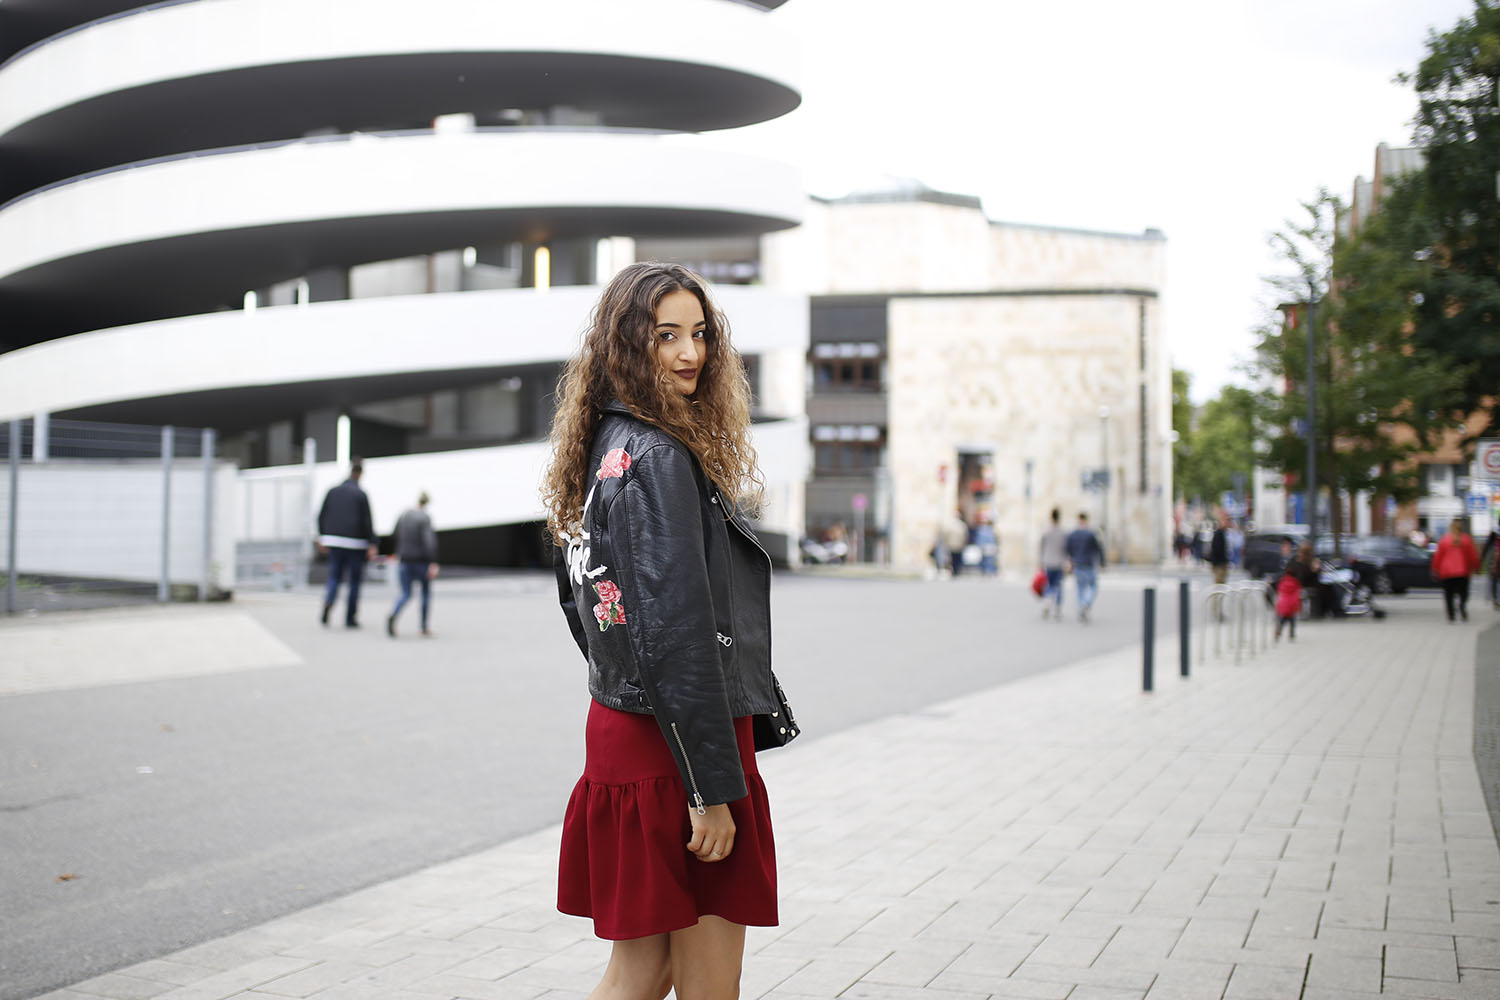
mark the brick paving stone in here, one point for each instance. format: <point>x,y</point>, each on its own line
<point>1182,980</point>
<point>1421,963</point>
<point>306,982</point>
<point>1264,982</point>
<point>116,986</point>
<point>447,984</point>
<point>1363,910</point>
<point>1478,953</point>
<point>826,977</point>
<point>248,976</point>
<point>162,970</point>
<point>496,963</point>
<point>1090,992</point>
<point>1344,972</point>
<point>914,966</point>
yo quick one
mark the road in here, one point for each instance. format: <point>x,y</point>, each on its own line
<point>193,807</point>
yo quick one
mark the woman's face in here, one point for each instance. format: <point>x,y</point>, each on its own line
<point>680,344</point>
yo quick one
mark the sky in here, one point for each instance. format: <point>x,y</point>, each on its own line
<point>1210,120</point>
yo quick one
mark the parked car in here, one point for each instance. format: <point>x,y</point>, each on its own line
<point>1387,564</point>
<point>1262,555</point>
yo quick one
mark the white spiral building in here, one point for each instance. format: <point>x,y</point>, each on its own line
<point>279,218</point>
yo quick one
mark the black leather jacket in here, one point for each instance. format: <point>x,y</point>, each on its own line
<point>668,595</point>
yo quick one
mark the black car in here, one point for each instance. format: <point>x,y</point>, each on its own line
<point>1389,565</point>
<point>1262,555</point>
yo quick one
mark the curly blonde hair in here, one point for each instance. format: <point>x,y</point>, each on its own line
<point>618,360</point>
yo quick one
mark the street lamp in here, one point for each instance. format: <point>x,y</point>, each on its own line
<point>1312,412</point>
<point>1104,469</point>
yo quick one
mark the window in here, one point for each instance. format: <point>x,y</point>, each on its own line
<point>846,458</point>
<point>847,450</point>
<point>847,367</point>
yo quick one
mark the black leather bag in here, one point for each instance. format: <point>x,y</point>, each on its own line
<point>780,727</point>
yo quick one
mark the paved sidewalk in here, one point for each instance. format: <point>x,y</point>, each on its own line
<point>1306,824</point>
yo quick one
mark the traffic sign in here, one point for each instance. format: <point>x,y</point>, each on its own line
<point>1487,458</point>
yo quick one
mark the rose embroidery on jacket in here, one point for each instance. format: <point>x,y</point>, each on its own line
<point>616,461</point>
<point>609,611</point>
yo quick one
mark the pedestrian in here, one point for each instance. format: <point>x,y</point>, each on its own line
<point>346,534</point>
<point>1087,557</point>
<point>1218,549</point>
<point>416,560</point>
<point>666,842</point>
<point>1452,564</point>
<point>955,540</point>
<point>989,545</point>
<point>1490,559</point>
<point>1301,570</point>
<point>1053,557</point>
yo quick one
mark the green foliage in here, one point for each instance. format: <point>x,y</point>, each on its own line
<point>1452,207</point>
<point>1182,423</point>
<point>1369,375</point>
<point>1220,453</point>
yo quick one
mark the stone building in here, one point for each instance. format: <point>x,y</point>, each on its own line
<point>997,369</point>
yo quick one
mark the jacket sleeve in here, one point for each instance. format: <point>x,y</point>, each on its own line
<point>566,599</point>
<point>323,514</point>
<point>429,540</point>
<point>366,522</point>
<point>661,567</point>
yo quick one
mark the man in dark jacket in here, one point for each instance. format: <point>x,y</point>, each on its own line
<point>346,534</point>
<point>1218,549</point>
<point>1087,557</point>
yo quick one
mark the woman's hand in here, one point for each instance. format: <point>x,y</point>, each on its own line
<point>713,833</point>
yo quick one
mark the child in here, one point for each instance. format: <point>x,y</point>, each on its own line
<point>1300,569</point>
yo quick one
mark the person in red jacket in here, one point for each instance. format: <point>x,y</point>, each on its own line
<point>1453,563</point>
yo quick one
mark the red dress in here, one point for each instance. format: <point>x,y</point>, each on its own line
<point>624,859</point>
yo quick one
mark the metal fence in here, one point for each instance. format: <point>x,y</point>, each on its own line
<point>275,523</point>
<point>97,513</point>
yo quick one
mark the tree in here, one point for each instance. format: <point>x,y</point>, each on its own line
<point>1369,374</point>
<point>1454,200</point>
<point>1221,454</point>
<point>1182,425</point>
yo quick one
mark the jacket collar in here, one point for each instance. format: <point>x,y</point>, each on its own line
<point>615,406</point>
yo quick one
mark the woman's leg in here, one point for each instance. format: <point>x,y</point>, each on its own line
<point>639,969</point>
<point>1463,597</point>
<point>426,582</point>
<point>706,959</point>
<point>403,576</point>
<point>1450,594</point>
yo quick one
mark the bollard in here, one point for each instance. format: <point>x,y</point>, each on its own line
<point>1150,647</point>
<point>1184,609</point>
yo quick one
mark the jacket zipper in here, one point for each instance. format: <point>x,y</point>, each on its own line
<point>697,799</point>
<point>767,556</point>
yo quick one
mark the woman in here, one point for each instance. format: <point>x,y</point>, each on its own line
<point>1452,564</point>
<point>1301,570</point>
<point>667,841</point>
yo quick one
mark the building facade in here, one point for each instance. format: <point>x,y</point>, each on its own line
<point>993,369</point>
<point>378,227</point>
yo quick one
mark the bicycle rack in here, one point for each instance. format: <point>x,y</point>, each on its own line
<point>1250,616</point>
